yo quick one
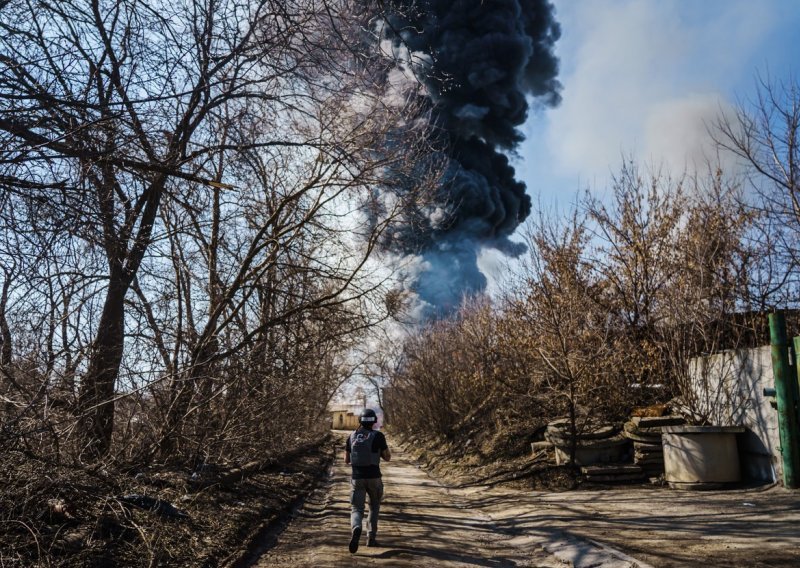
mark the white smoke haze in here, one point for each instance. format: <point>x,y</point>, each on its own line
<point>400,272</point>
<point>495,266</point>
<point>437,216</point>
<point>398,87</point>
<point>646,79</point>
<point>359,104</point>
<point>403,80</point>
<point>678,134</point>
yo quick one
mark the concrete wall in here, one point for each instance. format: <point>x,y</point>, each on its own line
<point>728,390</point>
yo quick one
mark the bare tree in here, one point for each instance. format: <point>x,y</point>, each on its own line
<point>637,258</point>
<point>707,305</point>
<point>576,345</point>
<point>764,135</point>
<point>101,104</point>
<point>111,110</point>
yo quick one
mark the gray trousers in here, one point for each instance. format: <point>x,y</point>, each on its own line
<point>359,489</point>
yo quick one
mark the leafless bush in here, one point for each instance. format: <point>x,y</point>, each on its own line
<point>611,304</point>
<point>190,196</point>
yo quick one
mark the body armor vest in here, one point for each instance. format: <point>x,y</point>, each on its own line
<point>361,453</point>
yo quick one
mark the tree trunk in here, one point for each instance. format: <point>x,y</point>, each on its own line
<point>5,331</point>
<point>184,390</point>
<point>6,379</point>
<point>96,399</point>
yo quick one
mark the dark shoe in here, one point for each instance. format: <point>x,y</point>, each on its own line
<point>354,540</point>
<point>372,541</point>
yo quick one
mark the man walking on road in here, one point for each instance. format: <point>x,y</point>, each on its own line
<point>364,450</point>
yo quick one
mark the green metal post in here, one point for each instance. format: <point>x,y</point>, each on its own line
<point>796,386</point>
<point>787,417</point>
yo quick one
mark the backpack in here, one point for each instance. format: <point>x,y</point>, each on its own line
<point>361,453</point>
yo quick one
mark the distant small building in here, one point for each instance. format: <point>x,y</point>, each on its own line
<point>344,419</point>
<point>345,413</point>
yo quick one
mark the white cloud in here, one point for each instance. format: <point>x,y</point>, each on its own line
<point>644,78</point>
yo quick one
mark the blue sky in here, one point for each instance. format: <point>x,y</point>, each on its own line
<point>643,77</point>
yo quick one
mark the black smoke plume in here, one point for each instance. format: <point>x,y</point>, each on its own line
<point>479,63</point>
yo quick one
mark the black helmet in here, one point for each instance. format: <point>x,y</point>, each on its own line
<point>368,418</point>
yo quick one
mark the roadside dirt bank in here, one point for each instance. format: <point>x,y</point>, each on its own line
<point>424,523</point>
<point>93,527</point>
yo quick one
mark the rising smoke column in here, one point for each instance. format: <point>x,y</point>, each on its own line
<point>477,62</point>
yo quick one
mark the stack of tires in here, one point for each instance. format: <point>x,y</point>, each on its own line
<point>593,443</point>
<point>645,433</point>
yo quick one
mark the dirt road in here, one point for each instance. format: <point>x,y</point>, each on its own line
<point>426,524</point>
<point>421,524</point>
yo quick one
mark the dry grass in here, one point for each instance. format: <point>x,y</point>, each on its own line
<point>62,516</point>
<point>461,466</point>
